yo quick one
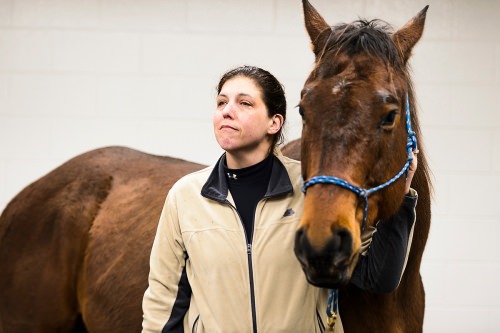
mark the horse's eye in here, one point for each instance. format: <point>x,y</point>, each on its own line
<point>389,119</point>
<point>301,111</point>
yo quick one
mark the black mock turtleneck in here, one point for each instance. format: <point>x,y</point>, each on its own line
<point>248,186</point>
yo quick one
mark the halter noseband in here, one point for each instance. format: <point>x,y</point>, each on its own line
<point>364,193</point>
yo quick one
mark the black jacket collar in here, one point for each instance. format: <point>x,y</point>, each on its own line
<point>216,186</point>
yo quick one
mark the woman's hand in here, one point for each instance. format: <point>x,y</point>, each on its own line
<point>411,171</point>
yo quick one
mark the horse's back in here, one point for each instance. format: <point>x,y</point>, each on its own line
<point>79,239</point>
<point>292,149</point>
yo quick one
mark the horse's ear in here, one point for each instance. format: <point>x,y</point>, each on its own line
<point>406,37</point>
<point>315,24</point>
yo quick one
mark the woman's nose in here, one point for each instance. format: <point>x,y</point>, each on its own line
<point>228,110</point>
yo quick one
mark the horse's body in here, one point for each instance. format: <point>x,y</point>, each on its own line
<point>74,245</point>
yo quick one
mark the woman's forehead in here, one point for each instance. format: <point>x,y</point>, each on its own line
<point>241,85</point>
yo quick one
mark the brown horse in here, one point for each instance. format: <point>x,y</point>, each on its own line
<point>74,245</point>
<point>355,137</point>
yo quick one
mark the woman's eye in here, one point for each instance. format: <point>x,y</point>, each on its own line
<point>220,103</point>
<point>301,111</point>
<point>246,103</point>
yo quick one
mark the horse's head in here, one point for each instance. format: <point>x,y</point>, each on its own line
<point>354,129</point>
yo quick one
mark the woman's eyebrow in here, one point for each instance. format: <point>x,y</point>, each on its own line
<point>239,95</point>
<point>244,95</point>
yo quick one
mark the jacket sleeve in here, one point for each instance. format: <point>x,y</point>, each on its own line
<point>168,295</point>
<point>385,250</point>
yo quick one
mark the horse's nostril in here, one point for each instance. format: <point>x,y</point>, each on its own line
<point>341,245</point>
<point>342,240</point>
<point>300,241</point>
<point>299,233</point>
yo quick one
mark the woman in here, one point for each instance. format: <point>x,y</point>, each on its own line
<point>222,259</point>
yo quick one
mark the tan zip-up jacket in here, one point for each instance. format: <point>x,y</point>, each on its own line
<point>204,277</point>
<point>234,285</point>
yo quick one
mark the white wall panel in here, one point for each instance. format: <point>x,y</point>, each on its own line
<point>39,95</point>
<point>26,50</point>
<point>95,51</point>
<point>55,13</point>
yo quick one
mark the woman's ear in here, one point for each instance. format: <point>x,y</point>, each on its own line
<point>277,121</point>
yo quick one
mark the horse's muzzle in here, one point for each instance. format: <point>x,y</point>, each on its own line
<point>330,266</point>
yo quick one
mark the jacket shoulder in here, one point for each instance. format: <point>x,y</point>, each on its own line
<point>292,166</point>
<point>192,180</point>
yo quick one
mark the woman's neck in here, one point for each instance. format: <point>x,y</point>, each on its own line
<point>238,160</point>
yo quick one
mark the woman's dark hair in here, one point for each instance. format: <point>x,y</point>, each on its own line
<point>273,93</point>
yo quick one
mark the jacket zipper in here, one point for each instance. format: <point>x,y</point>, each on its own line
<point>252,291</point>
<point>250,270</point>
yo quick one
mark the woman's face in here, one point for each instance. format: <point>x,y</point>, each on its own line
<point>241,122</point>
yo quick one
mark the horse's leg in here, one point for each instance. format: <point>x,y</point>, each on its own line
<point>43,235</point>
<point>118,251</point>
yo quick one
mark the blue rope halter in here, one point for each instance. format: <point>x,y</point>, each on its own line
<point>411,146</point>
<point>364,193</point>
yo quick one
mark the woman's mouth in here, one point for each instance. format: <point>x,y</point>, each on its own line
<point>227,128</point>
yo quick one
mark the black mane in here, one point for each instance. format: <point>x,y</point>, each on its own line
<point>368,37</point>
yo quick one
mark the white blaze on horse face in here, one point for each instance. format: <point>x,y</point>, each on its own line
<point>336,89</point>
<point>340,86</point>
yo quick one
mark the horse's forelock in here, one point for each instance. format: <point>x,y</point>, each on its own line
<point>365,37</point>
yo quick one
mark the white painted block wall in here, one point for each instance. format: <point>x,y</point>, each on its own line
<point>82,74</point>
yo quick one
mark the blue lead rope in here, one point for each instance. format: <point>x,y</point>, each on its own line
<point>332,308</point>
<point>411,146</point>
